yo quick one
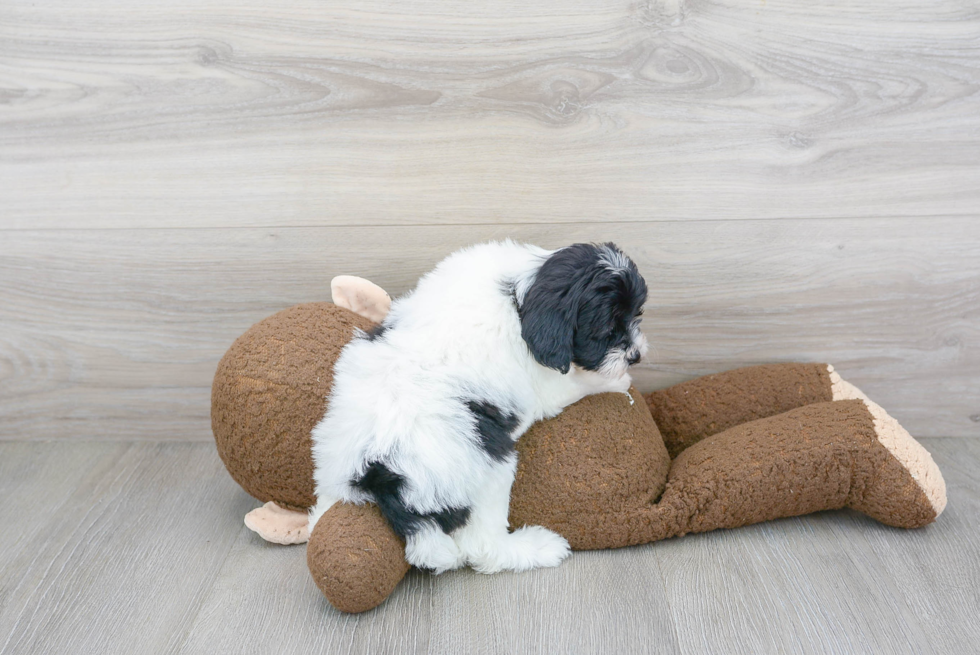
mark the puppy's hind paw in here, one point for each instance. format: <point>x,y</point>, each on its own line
<point>543,547</point>
<point>528,548</point>
<point>434,550</point>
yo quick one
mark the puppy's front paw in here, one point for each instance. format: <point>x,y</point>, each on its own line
<point>623,383</point>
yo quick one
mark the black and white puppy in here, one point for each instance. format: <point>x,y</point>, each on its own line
<point>425,409</point>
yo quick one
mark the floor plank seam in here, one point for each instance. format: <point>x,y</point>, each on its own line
<point>670,607</point>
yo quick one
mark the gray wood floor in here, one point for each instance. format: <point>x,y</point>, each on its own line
<point>139,547</point>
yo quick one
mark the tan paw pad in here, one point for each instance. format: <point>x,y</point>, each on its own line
<point>278,525</point>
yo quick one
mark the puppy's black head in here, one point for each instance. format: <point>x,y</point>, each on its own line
<point>583,308</point>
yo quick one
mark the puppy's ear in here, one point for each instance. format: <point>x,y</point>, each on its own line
<point>549,311</point>
<point>548,330</point>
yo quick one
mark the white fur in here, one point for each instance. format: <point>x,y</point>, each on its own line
<point>397,399</point>
<point>613,259</point>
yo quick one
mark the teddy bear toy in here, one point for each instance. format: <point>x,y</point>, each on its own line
<point>612,470</point>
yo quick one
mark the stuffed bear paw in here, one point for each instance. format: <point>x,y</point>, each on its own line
<point>278,525</point>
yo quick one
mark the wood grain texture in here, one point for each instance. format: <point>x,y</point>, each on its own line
<point>35,483</point>
<point>123,548</point>
<point>123,563</point>
<point>117,333</point>
<point>789,586</point>
<point>216,113</point>
<point>948,567</point>
<point>591,605</point>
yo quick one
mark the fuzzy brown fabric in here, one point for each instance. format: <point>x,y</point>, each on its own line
<point>819,457</point>
<point>809,459</point>
<point>690,411</point>
<point>575,478</point>
<point>355,558</point>
<point>597,473</point>
<point>270,390</point>
<point>578,471</point>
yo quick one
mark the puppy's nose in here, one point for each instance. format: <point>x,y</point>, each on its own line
<point>633,359</point>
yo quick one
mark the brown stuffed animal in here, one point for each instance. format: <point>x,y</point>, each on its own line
<point>748,445</point>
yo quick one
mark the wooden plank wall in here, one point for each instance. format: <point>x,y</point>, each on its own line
<point>797,181</point>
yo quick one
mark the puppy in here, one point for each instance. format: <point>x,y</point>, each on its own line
<point>426,408</point>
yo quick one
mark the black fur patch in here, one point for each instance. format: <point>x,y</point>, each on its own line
<point>376,332</point>
<point>495,428</point>
<point>385,487</point>
<point>579,308</point>
<point>450,519</point>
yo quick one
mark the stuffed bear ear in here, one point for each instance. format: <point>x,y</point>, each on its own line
<point>360,296</point>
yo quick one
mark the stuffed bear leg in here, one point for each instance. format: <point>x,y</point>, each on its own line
<point>822,456</point>
<point>355,558</point>
<point>693,410</point>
